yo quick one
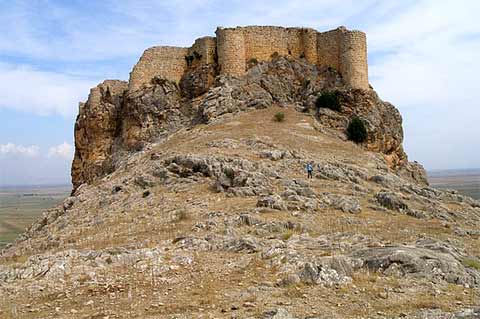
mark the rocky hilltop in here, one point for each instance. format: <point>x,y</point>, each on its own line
<point>191,201</point>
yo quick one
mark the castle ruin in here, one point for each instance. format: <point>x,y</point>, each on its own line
<point>233,48</point>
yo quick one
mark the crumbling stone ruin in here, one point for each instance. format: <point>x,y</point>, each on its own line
<point>242,68</point>
<point>233,48</point>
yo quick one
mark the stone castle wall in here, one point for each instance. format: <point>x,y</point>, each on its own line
<point>166,62</point>
<point>236,46</point>
<point>344,50</point>
<point>328,49</point>
<point>353,59</point>
<point>231,51</point>
<point>206,47</point>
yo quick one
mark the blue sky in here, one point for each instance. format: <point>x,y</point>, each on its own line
<point>423,58</point>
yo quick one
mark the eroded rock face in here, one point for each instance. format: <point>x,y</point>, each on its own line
<point>427,258</point>
<point>196,81</point>
<point>96,129</point>
<point>114,120</point>
<point>155,110</point>
<point>382,119</point>
<point>287,81</point>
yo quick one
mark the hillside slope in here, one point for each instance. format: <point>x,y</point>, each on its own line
<point>212,215</point>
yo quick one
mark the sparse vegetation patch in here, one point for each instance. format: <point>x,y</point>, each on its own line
<point>471,263</point>
<point>328,100</point>
<point>356,130</point>
<point>279,117</point>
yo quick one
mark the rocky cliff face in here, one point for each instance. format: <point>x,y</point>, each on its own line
<point>96,130</point>
<point>114,118</point>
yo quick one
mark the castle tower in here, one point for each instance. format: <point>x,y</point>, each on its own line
<point>341,49</point>
<point>231,51</point>
<point>309,45</point>
<point>353,59</point>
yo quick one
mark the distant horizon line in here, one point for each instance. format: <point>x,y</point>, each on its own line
<point>69,184</point>
<point>26,186</point>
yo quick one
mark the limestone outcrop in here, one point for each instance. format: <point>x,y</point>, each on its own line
<point>152,113</point>
<point>96,130</point>
<point>116,120</point>
<point>220,220</point>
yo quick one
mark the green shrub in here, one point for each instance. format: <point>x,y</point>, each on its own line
<point>328,100</point>
<point>279,117</point>
<point>471,263</point>
<point>356,130</point>
<point>287,234</point>
<point>180,215</point>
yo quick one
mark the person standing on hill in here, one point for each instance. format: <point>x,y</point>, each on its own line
<point>309,170</point>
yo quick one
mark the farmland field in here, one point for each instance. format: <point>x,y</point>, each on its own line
<point>21,206</point>
<point>467,182</point>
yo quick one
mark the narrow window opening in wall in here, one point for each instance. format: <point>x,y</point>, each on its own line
<point>289,52</point>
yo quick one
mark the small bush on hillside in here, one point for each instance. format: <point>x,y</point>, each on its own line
<point>356,130</point>
<point>180,215</point>
<point>328,100</point>
<point>279,117</point>
<point>471,263</point>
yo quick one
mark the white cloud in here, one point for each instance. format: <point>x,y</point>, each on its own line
<point>425,62</point>
<point>430,61</point>
<point>13,150</point>
<point>64,151</point>
<point>26,89</point>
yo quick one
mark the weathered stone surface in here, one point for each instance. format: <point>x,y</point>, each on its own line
<point>198,80</point>
<point>96,128</point>
<point>415,172</point>
<point>382,119</point>
<point>153,112</point>
<point>347,204</point>
<point>390,201</point>
<point>273,201</point>
<point>429,259</point>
